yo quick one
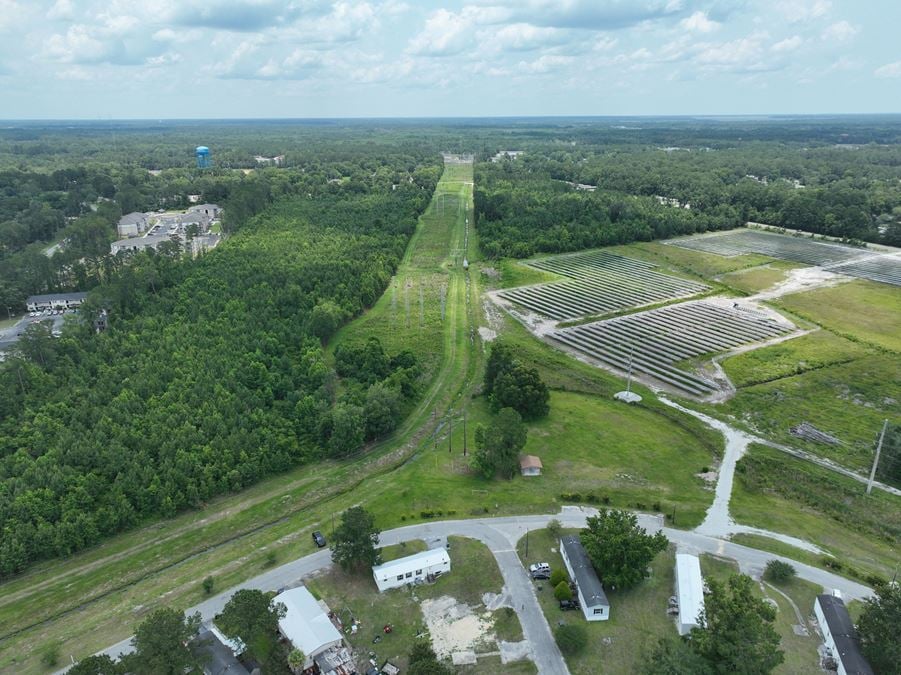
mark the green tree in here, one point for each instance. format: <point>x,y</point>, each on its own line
<point>348,429</point>
<point>354,544</point>
<point>498,445</point>
<point>500,359</point>
<point>95,665</point>
<point>296,659</point>
<point>619,549</point>
<point>325,319</point>
<point>562,591</point>
<point>878,628</point>
<point>674,656</point>
<point>208,584</point>
<point>736,634</point>
<point>161,644</point>
<point>521,388</point>
<point>424,661</point>
<point>571,638</point>
<point>554,528</point>
<point>252,617</point>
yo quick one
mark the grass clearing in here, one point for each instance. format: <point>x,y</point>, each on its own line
<point>783,494</point>
<point>864,311</point>
<point>402,549</point>
<point>633,456</point>
<point>473,573</point>
<point>786,359</point>
<point>695,263</point>
<point>756,279</point>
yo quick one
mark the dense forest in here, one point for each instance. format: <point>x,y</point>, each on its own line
<point>600,190</point>
<point>211,374</point>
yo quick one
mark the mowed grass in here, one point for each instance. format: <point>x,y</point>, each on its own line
<point>780,493</point>
<point>631,455</point>
<point>638,617</point>
<point>695,263</point>
<point>355,596</point>
<point>862,310</point>
<point>756,279</point>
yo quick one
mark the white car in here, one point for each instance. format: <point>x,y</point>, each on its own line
<point>540,570</point>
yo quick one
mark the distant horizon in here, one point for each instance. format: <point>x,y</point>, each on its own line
<point>397,59</point>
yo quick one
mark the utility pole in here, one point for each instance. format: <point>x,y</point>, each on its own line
<point>876,459</point>
<point>450,433</point>
<point>464,432</point>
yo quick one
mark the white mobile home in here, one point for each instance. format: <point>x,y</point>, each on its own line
<point>417,568</point>
<point>592,598</point>
<point>308,627</point>
<point>689,591</point>
<point>840,636</point>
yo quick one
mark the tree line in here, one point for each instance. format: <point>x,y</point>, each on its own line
<point>211,374</point>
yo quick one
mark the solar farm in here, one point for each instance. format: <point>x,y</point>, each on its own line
<point>657,340</point>
<point>853,262</point>
<point>599,283</point>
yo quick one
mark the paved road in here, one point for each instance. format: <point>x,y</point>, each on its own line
<point>501,535</point>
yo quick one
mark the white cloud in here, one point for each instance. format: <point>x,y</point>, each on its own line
<point>841,31</point>
<point>445,33</point>
<point>796,11</point>
<point>889,70</point>
<point>62,10</point>
<point>545,64</point>
<point>699,23</point>
<point>787,45</point>
<point>524,37</point>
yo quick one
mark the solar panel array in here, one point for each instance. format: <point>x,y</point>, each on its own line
<point>883,268</point>
<point>797,249</point>
<point>658,339</point>
<point>600,283</point>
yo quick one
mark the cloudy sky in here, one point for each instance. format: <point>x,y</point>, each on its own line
<point>400,58</point>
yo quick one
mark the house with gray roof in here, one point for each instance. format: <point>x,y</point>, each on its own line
<point>840,635</point>
<point>589,588</point>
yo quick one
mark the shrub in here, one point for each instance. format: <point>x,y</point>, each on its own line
<point>779,571</point>
<point>50,655</point>
<point>554,528</point>
<point>571,638</point>
<point>558,576</point>
<point>270,559</point>
<point>208,584</point>
<point>605,499</point>
<point>562,591</point>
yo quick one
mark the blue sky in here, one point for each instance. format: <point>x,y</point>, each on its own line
<point>399,58</point>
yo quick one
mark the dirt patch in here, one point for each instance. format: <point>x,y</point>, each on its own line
<point>454,626</point>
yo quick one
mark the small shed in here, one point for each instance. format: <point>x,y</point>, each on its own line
<point>413,569</point>
<point>530,465</point>
<point>689,591</point>
<point>840,636</point>
<point>592,598</point>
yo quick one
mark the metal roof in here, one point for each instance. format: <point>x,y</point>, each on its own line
<point>585,577</point>
<point>48,297</point>
<point>530,462</point>
<point>305,623</point>
<point>435,556</point>
<point>843,635</point>
<point>690,588</point>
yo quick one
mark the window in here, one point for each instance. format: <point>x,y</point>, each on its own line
<point>418,572</point>
<point>409,574</point>
<point>400,577</point>
<point>599,610</point>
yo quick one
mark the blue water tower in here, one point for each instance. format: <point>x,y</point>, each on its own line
<point>203,157</point>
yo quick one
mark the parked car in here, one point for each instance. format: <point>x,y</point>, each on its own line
<point>566,605</point>
<point>540,570</point>
<point>318,539</point>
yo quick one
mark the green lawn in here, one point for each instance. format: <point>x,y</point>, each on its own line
<point>638,616</point>
<point>402,549</point>
<point>862,310</point>
<point>695,263</point>
<point>630,454</point>
<point>473,573</point>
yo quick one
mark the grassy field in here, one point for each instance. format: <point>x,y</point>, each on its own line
<point>695,263</point>
<point>756,279</point>
<point>780,493</point>
<point>638,617</point>
<point>631,455</point>
<point>861,310</point>
<point>473,572</point>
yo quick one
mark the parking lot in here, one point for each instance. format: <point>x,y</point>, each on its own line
<point>9,336</point>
